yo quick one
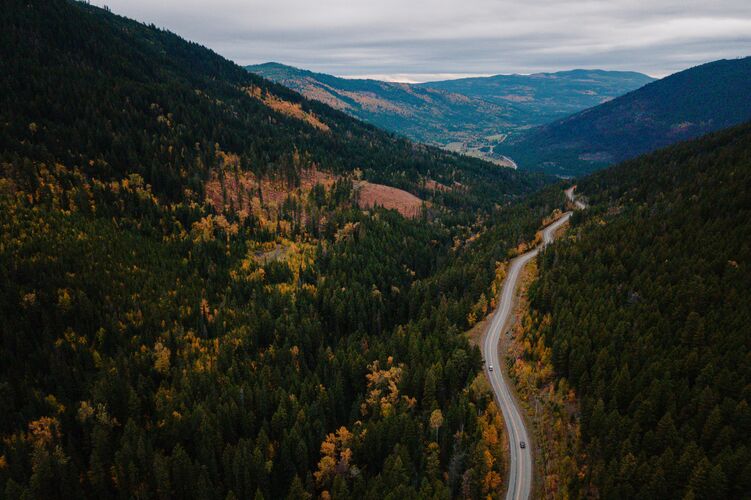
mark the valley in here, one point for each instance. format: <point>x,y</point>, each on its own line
<point>225,280</point>
<point>469,116</point>
<point>212,289</point>
<point>520,467</point>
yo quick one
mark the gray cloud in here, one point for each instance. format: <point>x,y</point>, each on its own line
<point>420,39</point>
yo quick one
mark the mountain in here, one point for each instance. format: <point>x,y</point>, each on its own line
<point>211,101</point>
<point>431,116</point>
<point>681,106</point>
<point>644,311</point>
<point>467,115</point>
<point>204,293</point>
<point>543,97</point>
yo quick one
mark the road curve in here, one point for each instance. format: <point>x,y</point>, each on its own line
<point>520,467</point>
<point>570,195</point>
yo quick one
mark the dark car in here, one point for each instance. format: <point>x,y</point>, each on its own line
<point>522,444</point>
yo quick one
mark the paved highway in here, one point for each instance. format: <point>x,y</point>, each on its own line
<point>520,467</point>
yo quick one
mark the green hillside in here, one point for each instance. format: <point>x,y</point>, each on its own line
<point>648,319</point>
<point>681,106</point>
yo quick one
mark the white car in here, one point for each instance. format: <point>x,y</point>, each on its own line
<point>490,368</point>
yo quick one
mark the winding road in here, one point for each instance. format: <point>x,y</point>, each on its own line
<point>520,469</point>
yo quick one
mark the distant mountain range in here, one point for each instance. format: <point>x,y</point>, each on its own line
<point>681,106</point>
<point>468,115</point>
<point>427,115</point>
<point>543,97</point>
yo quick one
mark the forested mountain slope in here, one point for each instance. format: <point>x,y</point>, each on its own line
<point>542,97</point>
<point>646,308</point>
<point>681,106</point>
<point>194,306</point>
<point>468,114</point>
<point>80,85</point>
<point>422,114</point>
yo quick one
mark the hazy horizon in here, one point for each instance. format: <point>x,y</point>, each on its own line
<point>417,41</point>
<point>416,78</point>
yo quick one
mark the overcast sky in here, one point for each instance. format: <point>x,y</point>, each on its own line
<point>419,40</point>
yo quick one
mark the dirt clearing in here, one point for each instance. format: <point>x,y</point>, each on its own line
<point>372,195</point>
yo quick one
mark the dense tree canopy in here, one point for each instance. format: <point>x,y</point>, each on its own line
<point>157,345</point>
<point>649,300</point>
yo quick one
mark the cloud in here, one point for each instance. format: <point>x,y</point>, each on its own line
<point>411,40</point>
